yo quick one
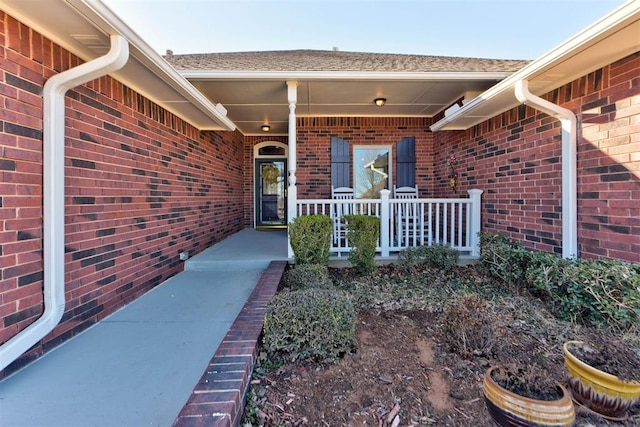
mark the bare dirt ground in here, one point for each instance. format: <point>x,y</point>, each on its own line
<point>425,364</point>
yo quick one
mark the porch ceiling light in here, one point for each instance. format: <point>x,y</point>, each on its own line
<point>380,101</point>
<point>265,128</point>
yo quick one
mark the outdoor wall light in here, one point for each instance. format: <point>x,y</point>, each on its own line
<point>265,128</point>
<point>380,101</point>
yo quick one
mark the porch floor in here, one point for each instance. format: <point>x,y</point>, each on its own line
<point>139,366</point>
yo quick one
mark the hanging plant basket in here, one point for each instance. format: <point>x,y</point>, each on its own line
<point>599,391</point>
<point>510,404</point>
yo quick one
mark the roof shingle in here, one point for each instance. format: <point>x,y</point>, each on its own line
<point>325,60</point>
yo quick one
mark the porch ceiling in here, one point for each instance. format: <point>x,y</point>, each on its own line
<point>261,98</point>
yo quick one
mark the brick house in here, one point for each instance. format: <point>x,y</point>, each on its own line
<point>160,155</point>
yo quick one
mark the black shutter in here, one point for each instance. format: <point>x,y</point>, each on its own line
<point>340,162</point>
<point>406,161</point>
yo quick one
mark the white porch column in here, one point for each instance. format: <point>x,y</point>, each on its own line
<point>384,222</point>
<point>476,221</point>
<point>292,190</point>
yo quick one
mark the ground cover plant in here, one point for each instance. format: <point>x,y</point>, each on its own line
<point>427,332</point>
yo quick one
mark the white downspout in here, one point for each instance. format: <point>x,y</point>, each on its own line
<point>569,161</point>
<point>53,191</point>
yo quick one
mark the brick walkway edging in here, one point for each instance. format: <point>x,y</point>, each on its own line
<point>218,398</point>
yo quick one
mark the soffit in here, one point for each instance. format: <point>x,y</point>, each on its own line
<point>614,37</point>
<point>83,27</point>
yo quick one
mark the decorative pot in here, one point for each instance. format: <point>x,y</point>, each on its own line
<point>599,391</point>
<point>510,409</point>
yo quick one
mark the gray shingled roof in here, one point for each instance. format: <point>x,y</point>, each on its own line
<point>325,60</point>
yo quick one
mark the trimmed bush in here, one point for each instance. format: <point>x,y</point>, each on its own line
<point>363,232</point>
<point>316,325</point>
<point>306,276</point>
<point>436,256</point>
<point>468,326</point>
<point>310,238</point>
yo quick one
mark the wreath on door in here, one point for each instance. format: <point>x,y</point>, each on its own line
<point>270,174</point>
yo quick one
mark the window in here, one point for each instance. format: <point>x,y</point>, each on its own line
<point>271,151</point>
<point>371,170</point>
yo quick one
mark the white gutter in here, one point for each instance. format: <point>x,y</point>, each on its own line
<point>143,53</point>
<point>604,30</point>
<point>53,190</point>
<point>569,159</point>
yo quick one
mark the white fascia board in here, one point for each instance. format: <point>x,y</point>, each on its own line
<point>341,75</point>
<point>101,16</point>
<point>619,18</point>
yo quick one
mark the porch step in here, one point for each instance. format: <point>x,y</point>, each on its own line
<point>247,249</point>
<point>224,265</point>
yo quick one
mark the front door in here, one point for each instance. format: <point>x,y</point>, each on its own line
<point>271,193</point>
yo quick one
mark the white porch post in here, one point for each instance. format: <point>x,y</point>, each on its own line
<point>292,190</point>
<point>384,222</point>
<point>476,221</point>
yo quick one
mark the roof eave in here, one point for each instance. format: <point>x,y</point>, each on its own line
<point>146,71</point>
<point>613,37</point>
<point>196,74</point>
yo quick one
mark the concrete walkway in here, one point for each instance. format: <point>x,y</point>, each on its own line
<point>139,366</point>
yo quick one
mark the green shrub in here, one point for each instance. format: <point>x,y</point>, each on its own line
<point>306,276</point>
<point>591,292</point>
<point>548,266</point>
<point>436,256</point>
<point>310,238</point>
<point>363,232</point>
<point>504,259</point>
<point>316,325</point>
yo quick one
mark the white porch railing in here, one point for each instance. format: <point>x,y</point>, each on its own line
<point>406,222</point>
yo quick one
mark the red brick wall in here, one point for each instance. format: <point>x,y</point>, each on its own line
<point>141,184</point>
<point>609,161</point>
<point>314,147</point>
<point>515,158</point>
<point>313,140</point>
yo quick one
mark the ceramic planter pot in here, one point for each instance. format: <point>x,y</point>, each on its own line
<point>510,409</point>
<point>599,391</point>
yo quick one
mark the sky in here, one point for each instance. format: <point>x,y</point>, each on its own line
<point>501,29</point>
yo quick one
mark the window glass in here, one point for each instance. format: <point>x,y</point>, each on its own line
<point>371,170</point>
<point>271,150</point>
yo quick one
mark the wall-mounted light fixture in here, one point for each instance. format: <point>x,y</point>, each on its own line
<point>380,101</point>
<point>265,128</point>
